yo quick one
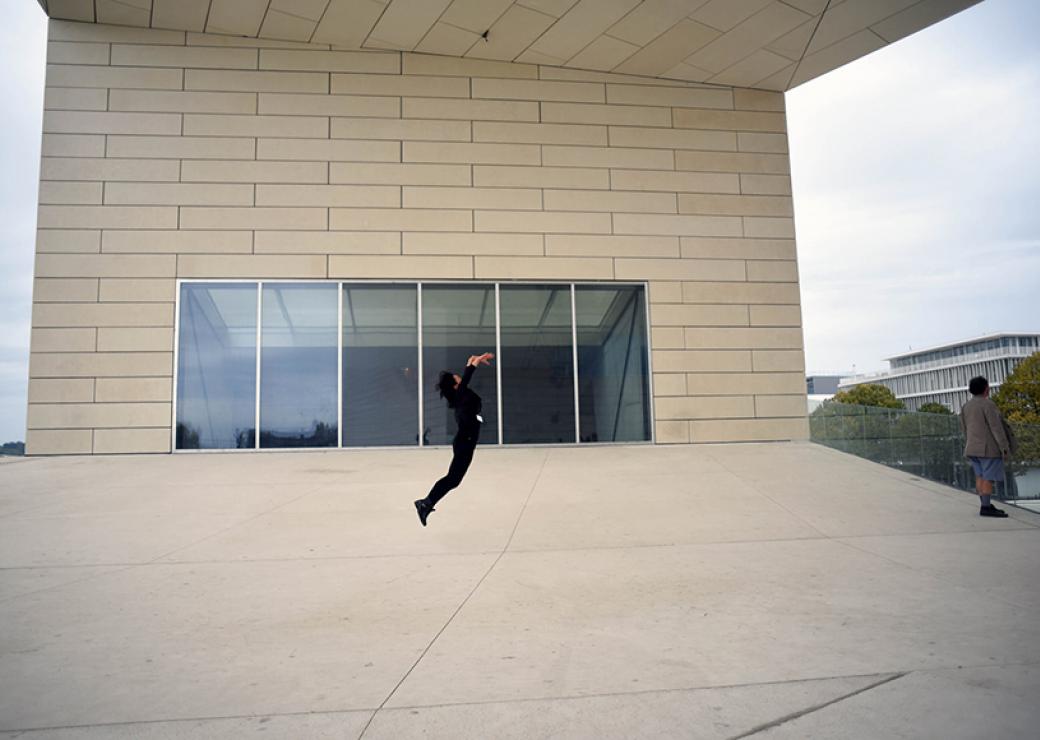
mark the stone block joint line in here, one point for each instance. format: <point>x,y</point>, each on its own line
<point>422,655</point>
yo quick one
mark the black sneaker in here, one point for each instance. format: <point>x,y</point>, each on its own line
<point>992,510</point>
<point>424,510</point>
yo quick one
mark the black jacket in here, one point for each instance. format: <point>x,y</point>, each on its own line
<point>466,403</point>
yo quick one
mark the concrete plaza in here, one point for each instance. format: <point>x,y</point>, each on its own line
<point>716,591</point>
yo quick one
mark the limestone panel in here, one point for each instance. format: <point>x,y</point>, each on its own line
<point>672,432</point>
<point>97,364</point>
<point>582,245</point>
<point>539,133</point>
<point>717,292</point>
<point>63,340</point>
<point>75,98</point>
<point>665,292</point>
<point>61,390</point>
<point>703,314</point>
<point>91,415</point>
<point>765,184</point>
<point>131,441</point>
<point>736,338</point>
<point>403,129</point>
<point>218,80</point>
<point>177,194</point>
<point>421,151</point>
<point>781,228</point>
<point>90,168</point>
<point>669,384</point>
<point>544,268</point>
<point>614,115</point>
<point>773,143</point>
<point>679,269</point>
<point>705,407</point>
<point>251,266</point>
<point>151,55</point>
<point>733,162</point>
<point>102,265</point>
<point>699,247</point>
<point>666,337</point>
<point>695,182</point>
<point>344,196</point>
<point>577,92</point>
<point>672,97</point>
<point>278,219</point>
<point>73,145</point>
<point>745,99</point>
<point>68,75</point>
<point>729,120</point>
<point>70,52</point>
<point>542,222</point>
<point>400,85</point>
<point>779,360</point>
<point>587,156</point>
<point>96,122</point>
<point>664,225</point>
<point>400,174</point>
<point>303,127</point>
<point>301,60</point>
<point>400,219</point>
<point>180,101</point>
<point>176,241</point>
<point>175,147</point>
<point>137,290</point>
<point>327,242</point>
<point>122,390</point>
<point>106,217</point>
<point>328,150</point>
<point>743,205</point>
<point>657,138</point>
<point>70,193</point>
<point>617,201</point>
<point>490,198</point>
<point>473,244</point>
<point>773,406</point>
<point>541,177</point>
<point>102,314</point>
<point>134,339</point>
<point>68,241</point>
<point>58,442</point>
<point>328,105</point>
<point>748,430</point>
<point>773,271</point>
<point>426,64</point>
<point>715,384</point>
<point>406,267</point>
<point>62,290</point>
<point>701,361</point>
<point>766,315</point>
<point>469,110</point>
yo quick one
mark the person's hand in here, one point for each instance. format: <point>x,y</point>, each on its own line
<point>486,358</point>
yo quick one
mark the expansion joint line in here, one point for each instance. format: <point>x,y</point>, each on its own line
<point>816,707</point>
<point>458,609</point>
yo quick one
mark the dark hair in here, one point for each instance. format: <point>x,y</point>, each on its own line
<point>446,386</point>
<point>978,386</point>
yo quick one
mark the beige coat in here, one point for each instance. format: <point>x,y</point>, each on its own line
<point>985,431</point>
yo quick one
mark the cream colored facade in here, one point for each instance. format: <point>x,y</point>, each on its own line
<point>175,155</point>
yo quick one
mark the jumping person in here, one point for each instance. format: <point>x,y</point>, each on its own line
<point>467,405</point>
<point>988,442</point>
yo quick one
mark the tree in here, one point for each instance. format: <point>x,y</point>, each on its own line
<point>869,394</point>
<point>1018,398</point>
<point>934,408</point>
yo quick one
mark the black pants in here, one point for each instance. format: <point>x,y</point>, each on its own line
<point>463,445</point>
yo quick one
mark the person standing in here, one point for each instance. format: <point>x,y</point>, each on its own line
<point>467,405</point>
<point>988,442</point>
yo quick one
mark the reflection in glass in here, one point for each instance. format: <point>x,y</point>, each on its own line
<point>458,321</point>
<point>613,396</point>
<point>298,365</point>
<point>380,365</point>
<point>216,366</point>
<point>537,364</point>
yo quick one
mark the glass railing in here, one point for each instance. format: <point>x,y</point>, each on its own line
<point>927,445</point>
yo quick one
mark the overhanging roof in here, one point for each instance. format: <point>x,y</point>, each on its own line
<point>767,44</point>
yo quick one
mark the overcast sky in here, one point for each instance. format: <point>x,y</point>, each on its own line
<point>916,191</point>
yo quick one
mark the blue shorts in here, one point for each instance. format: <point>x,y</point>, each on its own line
<point>988,468</point>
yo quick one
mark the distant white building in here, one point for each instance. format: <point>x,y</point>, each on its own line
<point>940,374</point>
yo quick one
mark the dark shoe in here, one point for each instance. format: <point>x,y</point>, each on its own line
<point>424,510</point>
<point>992,510</point>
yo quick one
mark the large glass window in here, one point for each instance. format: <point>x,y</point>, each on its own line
<point>356,363</point>
<point>614,395</point>
<point>537,364</point>
<point>298,365</point>
<point>380,365</point>
<point>216,366</point>
<point>458,321</point>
